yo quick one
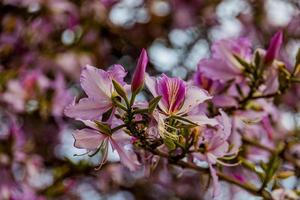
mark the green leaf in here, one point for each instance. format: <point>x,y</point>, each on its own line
<point>297,64</point>
<point>107,115</point>
<point>119,89</point>
<point>104,128</point>
<point>169,143</point>
<point>244,63</point>
<point>153,103</point>
<point>257,60</point>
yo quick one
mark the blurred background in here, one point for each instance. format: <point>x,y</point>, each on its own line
<point>45,43</point>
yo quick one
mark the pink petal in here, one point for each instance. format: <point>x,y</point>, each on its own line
<point>218,147</point>
<point>118,73</point>
<point>194,96</point>
<point>216,69</point>
<point>151,85</point>
<point>127,159</point>
<point>215,179</point>
<point>172,91</point>
<point>88,139</point>
<point>87,108</point>
<point>96,83</point>
<point>202,119</point>
<point>227,124</point>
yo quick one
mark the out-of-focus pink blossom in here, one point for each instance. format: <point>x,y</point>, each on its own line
<point>223,65</point>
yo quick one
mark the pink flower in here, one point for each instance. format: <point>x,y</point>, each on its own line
<point>92,139</point>
<point>178,98</point>
<point>216,146</point>
<point>274,47</point>
<point>223,65</point>
<point>62,96</point>
<point>97,84</point>
<point>139,73</point>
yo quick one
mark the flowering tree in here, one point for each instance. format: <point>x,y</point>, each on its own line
<point>187,122</point>
<point>223,125</point>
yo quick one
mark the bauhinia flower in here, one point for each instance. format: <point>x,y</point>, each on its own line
<point>274,47</point>
<point>93,140</point>
<point>214,146</point>
<point>223,64</point>
<point>97,84</point>
<point>139,73</point>
<point>178,99</point>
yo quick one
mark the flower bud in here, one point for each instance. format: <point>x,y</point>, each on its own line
<point>274,47</point>
<point>139,74</point>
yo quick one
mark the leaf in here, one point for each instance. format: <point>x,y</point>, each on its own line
<point>245,64</point>
<point>107,115</point>
<point>257,60</point>
<point>169,143</point>
<point>119,89</point>
<point>104,128</point>
<point>153,103</point>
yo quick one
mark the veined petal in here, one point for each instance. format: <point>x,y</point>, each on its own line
<point>227,124</point>
<point>172,91</point>
<point>216,69</point>
<point>127,159</point>
<point>89,123</point>
<point>118,73</point>
<point>96,83</point>
<point>88,139</point>
<point>218,147</point>
<point>215,179</point>
<point>202,120</point>
<point>152,85</point>
<point>87,108</point>
<point>194,96</point>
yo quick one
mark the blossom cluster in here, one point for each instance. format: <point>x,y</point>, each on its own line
<point>223,121</point>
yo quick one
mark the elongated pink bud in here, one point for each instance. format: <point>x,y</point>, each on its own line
<point>274,47</point>
<point>139,73</point>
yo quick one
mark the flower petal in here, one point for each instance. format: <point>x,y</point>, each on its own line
<point>217,69</point>
<point>152,85</point>
<point>215,179</point>
<point>202,119</point>
<point>127,159</point>
<point>118,73</point>
<point>88,139</point>
<point>87,108</point>
<point>96,83</point>
<point>194,96</point>
<point>172,91</point>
